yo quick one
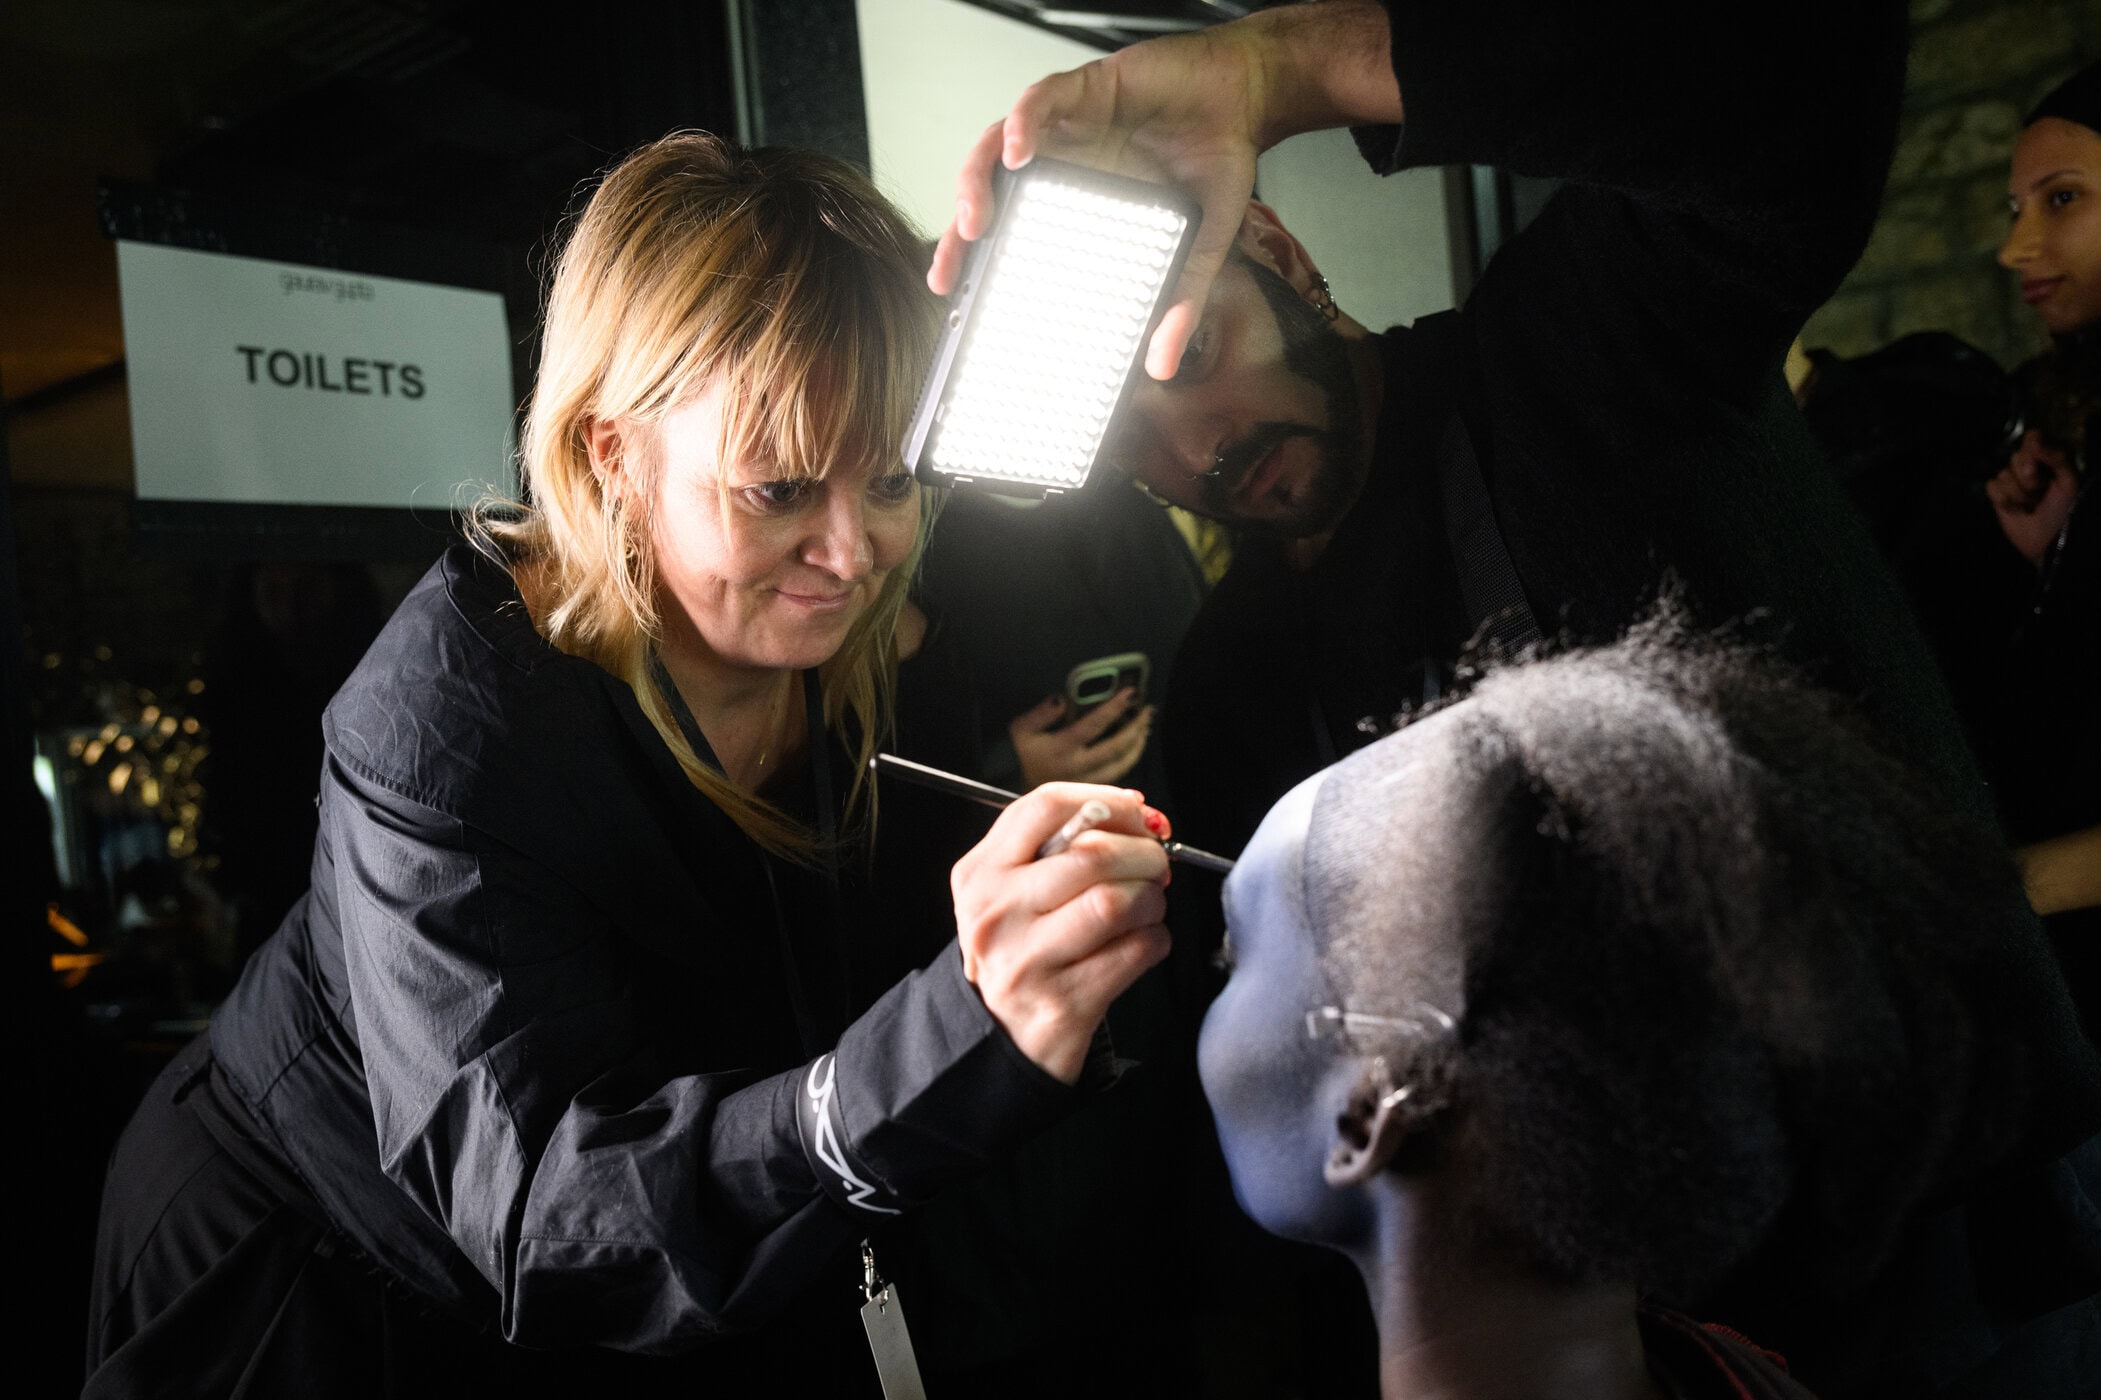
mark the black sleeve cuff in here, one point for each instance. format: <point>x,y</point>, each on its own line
<point>923,1089</point>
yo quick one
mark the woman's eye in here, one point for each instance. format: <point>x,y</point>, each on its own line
<point>893,488</point>
<point>2060,198</point>
<point>778,495</point>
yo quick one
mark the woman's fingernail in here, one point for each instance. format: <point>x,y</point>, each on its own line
<point>1156,823</point>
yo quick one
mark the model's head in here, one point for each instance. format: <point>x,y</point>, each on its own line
<point>1627,952</point>
<point>2054,193</point>
<point>732,346</point>
<point>1262,426</point>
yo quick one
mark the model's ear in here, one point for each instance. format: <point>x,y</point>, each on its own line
<point>1264,238</point>
<point>1378,1119</point>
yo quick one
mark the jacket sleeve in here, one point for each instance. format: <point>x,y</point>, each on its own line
<point>517,1103</point>
<point>1721,170</point>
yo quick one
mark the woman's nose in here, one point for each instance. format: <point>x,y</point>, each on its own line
<point>2021,240</point>
<point>842,546</point>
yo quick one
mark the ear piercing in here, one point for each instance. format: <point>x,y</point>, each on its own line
<point>1323,298</point>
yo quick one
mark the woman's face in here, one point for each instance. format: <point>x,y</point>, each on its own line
<point>2055,244</point>
<point>770,570</point>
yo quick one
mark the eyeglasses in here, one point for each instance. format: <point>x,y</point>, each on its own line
<point>1422,1021</point>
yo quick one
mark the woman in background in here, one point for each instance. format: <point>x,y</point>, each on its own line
<point>2044,751</point>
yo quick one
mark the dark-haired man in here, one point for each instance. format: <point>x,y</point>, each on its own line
<point>1614,379</point>
<point>1606,411</point>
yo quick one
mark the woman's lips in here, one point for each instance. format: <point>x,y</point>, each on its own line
<point>2035,289</point>
<point>818,602</point>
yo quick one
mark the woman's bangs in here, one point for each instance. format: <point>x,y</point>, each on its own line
<point>833,383</point>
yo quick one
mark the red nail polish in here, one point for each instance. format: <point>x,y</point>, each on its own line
<point>1156,822</point>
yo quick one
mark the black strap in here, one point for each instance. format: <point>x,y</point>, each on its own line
<point>1488,582</point>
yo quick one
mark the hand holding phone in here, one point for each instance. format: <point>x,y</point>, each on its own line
<point>1093,731</point>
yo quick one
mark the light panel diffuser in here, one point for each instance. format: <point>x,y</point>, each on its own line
<point>1048,326</point>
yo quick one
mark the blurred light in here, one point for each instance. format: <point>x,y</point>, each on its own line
<point>1048,325</point>
<point>64,927</point>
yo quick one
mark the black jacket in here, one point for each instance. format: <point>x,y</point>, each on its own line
<point>539,1039</point>
<point>1618,368</point>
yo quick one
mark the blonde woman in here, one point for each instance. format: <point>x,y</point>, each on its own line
<point>561,1077</point>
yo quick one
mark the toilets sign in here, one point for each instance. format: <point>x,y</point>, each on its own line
<point>264,382</point>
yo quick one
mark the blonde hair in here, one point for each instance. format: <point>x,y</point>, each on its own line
<point>784,278</point>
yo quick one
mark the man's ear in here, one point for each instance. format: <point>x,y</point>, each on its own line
<point>1378,1119</point>
<point>1264,238</point>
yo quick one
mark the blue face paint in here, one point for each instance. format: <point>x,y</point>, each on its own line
<point>1262,1074</point>
<point>1397,870</point>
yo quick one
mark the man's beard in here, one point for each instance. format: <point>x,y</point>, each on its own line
<point>1315,353</point>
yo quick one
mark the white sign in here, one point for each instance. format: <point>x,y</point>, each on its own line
<point>268,382</point>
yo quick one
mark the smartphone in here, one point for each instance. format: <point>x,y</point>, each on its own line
<point>1092,682</point>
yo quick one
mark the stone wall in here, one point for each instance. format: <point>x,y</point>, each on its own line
<point>1976,67</point>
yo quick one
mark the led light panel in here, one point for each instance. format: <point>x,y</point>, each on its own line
<point>1048,325</point>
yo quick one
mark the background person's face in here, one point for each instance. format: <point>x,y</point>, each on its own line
<point>2055,242</point>
<point>770,570</point>
<point>1267,385</point>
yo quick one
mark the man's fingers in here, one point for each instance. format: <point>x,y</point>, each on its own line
<point>941,274</point>
<point>1042,105</point>
<point>974,182</point>
<point>973,210</point>
<point>1221,220</point>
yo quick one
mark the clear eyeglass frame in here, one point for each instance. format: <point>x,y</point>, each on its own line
<point>1423,1021</point>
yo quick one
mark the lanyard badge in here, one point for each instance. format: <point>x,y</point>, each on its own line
<point>883,1314</point>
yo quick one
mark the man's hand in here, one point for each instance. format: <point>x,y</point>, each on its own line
<point>2033,497</point>
<point>1078,753</point>
<point>1192,110</point>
